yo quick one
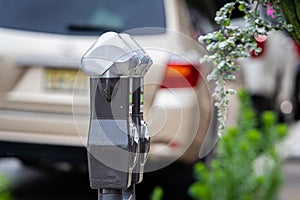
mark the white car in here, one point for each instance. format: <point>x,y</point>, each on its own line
<point>40,52</point>
<point>44,97</point>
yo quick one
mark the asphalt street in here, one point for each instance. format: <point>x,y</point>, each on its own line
<point>31,184</point>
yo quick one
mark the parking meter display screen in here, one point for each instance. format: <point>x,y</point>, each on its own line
<point>81,17</point>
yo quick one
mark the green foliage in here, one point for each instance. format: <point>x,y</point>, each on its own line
<point>291,10</point>
<point>247,166</point>
<point>5,189</point>
<point>157,194</point>
<point>230,43</point>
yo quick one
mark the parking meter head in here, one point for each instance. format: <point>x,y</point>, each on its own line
<point>115,55</point>
<point>109,56</point>
<point>144,59</point>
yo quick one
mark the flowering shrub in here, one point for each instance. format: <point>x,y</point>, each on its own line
<point>270,11</point>
<point>230,43</point>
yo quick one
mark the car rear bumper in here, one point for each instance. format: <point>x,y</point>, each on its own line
<point>43,128</point>
<point>173,122</point>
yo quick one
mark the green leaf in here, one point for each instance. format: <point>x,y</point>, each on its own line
<point>226,22</point>
<point>240,7</point>
<point>157,193</point>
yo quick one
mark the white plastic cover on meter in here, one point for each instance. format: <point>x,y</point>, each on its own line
<point>114,55</point>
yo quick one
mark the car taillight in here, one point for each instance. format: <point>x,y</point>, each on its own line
<point>180,75</point>
<point>260,42</point>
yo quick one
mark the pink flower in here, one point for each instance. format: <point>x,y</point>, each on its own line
<point>270,11</point>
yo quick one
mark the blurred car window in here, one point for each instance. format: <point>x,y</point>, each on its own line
<point>78,17</point>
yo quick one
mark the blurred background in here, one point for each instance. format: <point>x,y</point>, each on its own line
<point>41,44</point>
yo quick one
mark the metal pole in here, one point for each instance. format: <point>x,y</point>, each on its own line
<point>110,194</point>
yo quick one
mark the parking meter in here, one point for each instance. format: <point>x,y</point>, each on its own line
<point>118,141</point>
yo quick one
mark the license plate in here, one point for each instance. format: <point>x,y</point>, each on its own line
<point>66,80</point>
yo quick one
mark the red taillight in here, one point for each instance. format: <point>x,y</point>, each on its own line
<point>298,48</point>
<point>260,42</point>
<point>180,75</point>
